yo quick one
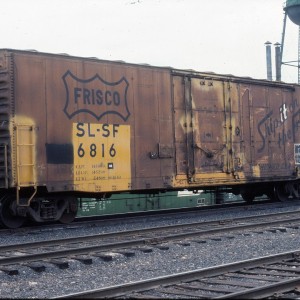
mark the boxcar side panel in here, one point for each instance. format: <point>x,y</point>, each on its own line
<point>267,132</point>
<point>29,131</point>
<point>200,131</point>
<point>233,132</point>
<point>99,126</point>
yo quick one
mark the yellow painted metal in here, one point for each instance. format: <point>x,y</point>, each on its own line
<point>25,145</point>
<point>181,181</point>
<point>101,157</point>
<point>25,159</point>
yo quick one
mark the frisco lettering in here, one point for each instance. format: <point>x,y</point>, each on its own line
<point>96,97</point>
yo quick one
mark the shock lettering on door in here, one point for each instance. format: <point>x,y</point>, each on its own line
<point>101,157</point>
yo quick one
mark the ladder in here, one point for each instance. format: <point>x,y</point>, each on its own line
<point>25,159</point>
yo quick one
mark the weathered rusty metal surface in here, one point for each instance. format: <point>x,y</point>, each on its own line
<point>230,132</point>
<point>100,126</point>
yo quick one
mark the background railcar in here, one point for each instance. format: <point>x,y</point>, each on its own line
<point>74,127</point>
<point>128,203</point>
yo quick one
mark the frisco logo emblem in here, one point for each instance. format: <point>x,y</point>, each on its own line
<point>95,96</point>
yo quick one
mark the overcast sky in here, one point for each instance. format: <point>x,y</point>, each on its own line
<point>223,36</point>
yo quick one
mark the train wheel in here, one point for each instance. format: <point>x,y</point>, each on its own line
<point>248,196</point>
<point>281,192</point>
<point>7,218</point>
<point>70,214</point>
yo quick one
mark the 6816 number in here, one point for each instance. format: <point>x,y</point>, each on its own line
<point>92,151</point>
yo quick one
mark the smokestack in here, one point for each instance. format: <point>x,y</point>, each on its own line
<point>278,61</point>
<point>269,60</point>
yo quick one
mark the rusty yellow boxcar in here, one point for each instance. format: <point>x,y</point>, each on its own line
<point>83,127</point>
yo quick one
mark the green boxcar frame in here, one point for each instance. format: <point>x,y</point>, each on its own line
<point>133,203</point>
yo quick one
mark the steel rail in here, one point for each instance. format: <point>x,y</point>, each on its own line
<point>78,248</point>
<point>116,219</point>
<point>141,286</point>
<point>264,291</point>
<point>88,238</point>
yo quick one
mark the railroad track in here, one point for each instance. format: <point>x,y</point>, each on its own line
<point>84,247</point>
<point>276,276</point>
<point>133,217</point>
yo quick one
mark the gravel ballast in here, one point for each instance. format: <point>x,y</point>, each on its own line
<point>178,258</point>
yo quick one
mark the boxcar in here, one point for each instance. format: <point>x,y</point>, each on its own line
<point>127,203</point>
<point>131,203</point>
<point>82,127</point>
